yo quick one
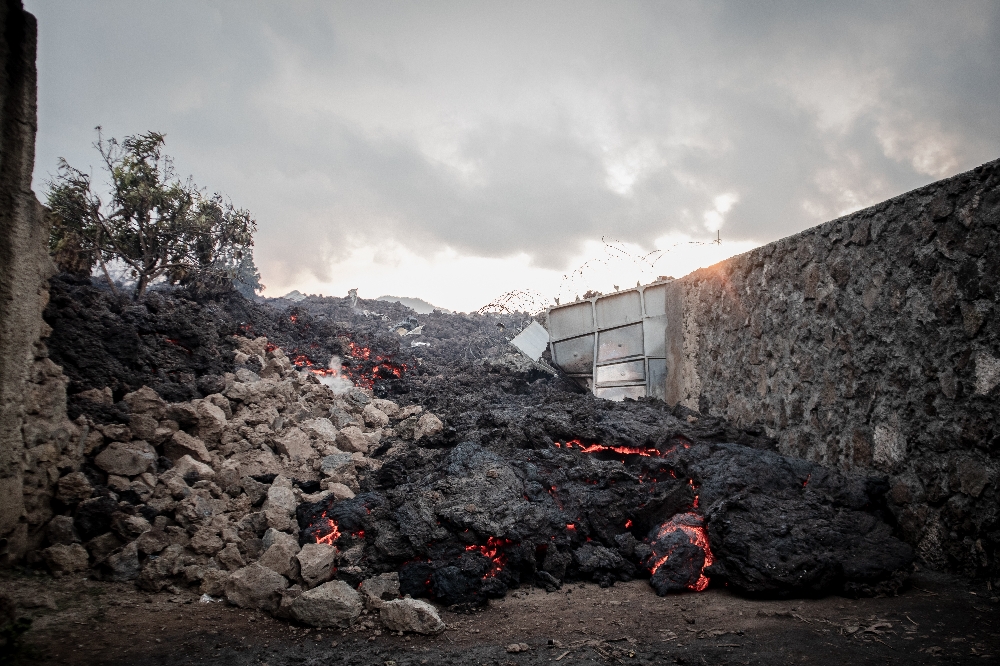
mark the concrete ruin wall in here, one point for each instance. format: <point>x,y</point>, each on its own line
<point>872,342</point>
<point>36,439</point>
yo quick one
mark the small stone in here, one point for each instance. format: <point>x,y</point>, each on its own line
<point>192,471</point>
<point>294,443</point>
<point>338,463</point>
<point>146,401</point>
<point>152,542</point>
<point>280,557</point>
<point>377,590</point>
<point>230,558</point>
<point>213,582</point>
<point>126,459</point>
<point>74,488</point>
<point>182,444</point>
<point>374,417</point>
<point>332,604</point>
<point>206,541</point>
<point>281,498</point>
<point>256,586</point>
<point>143,426</point>
<point>514,648</point>
<point>413,615</point>
<point>316,563</point>
<point>122,564</point>
<point>322,429</point>
<point>428,425</point>
<point>66,558</point>
<point>61,531</point>
<point>353,439</point>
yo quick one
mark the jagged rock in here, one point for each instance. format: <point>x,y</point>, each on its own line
<point>122,564</point>
<point>146,401</point>
<point>94,516</point>
<point>101,546</point>
<point>126,459</point>
<point>374,417</point>
<point>74,488</point>
<point>213,582</point>
<point>256,586</point>
<point>143,426</point>
<point>183,444</point>
<point>352,439</point>
<point>295,444</point>
<point>206,541</point>
<point>428,425</point>
<point>273,536</point>
<point>387,407</point>
<point>230,557</point>
<point>340,491</point>
<point>152,542</point>
<point>66,558</point>
<point>316,563</point>
<point>379,589</point>
<point>338,463</point>
<point>129,527</point>
<point>322,429</point>
<point>61,531</point>
<point>281,498</point>
<point>221,401</point>
<point>332,604</point>
<point>211,421</point>
<point>191,470</point>
<point>158,569</point>
<point>280,557</point>
<point>413,615</point>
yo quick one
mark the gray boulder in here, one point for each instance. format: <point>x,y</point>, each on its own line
<point>256,586</point>
<point>413,615</point>
<point>333,604</point>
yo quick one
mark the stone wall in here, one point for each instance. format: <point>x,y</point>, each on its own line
<point>868,342</point>
<point>36,439</point>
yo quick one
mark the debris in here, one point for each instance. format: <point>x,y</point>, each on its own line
<point>532,340</point>
<point>515,648</point>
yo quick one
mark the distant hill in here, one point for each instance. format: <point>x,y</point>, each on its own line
<point>419,305</point>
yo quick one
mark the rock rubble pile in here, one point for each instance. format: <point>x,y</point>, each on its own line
<point>204,493</point>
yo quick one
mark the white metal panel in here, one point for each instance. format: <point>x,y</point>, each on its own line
<point>569,321</point>
<point>629,372</point>
<point>532,340</point>
<point>654,300</point>
<point>619,393</point>
<point>619,343</point>
<point>576,355</point>
<point>657,383</point>
<point>654,335</point>
<point>618,309</point>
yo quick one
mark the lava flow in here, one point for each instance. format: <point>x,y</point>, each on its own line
<point>692,526</point>
<point>328,527</point>
<point>491,551</point>
<point>596,448</point>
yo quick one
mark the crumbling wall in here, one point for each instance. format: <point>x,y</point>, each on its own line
<point>35,436</point>
<point>873,342</point>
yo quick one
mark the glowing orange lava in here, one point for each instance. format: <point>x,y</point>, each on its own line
<point>491,551</point>
<point>692,525</point>
<point>594,448</point>
<point>332,530</point>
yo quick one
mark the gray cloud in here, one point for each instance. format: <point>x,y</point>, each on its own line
<point>498,128</point>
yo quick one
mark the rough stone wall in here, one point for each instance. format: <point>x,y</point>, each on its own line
<point>871,341</point>
<point>35,436</point>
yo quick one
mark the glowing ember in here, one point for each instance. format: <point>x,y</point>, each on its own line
<point>692,526</point>
<point>491,551</point>
<point>328,527</point>
<point>595,448</point>
<point>628,523</point>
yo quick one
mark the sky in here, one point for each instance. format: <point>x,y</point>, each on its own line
<point>454,151</point>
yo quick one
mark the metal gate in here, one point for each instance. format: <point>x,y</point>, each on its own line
<point>614,344</point>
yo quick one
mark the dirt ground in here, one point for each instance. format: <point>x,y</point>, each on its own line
<point>939,619</point>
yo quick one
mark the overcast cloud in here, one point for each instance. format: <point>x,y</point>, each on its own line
<point>374,138</point>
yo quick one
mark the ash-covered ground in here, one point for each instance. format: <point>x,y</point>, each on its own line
<point>300,451</point>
